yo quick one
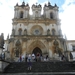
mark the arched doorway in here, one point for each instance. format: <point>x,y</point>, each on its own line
<point>37,51</point>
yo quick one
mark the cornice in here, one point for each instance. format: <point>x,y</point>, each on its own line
<point>45,21</point>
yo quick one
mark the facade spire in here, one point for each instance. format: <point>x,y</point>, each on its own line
<point>55,5</point>
<point>23,3</point>
<point>17,4</point>
<point>49,3</point>
<point>8,37</point>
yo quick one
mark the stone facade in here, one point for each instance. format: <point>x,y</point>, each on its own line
<point>36,33</point>
<point>71,49</point>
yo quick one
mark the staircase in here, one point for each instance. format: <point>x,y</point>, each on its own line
<point>50,68</point>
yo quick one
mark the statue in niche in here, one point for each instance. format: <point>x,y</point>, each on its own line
<point>25,32</point>
<point>17,53</point>
<point>57,49</point>
<point>2,40</point>
<point>13,31</point>
<point>18,48</point>
<point>48,32</point>
<point>55,43</point>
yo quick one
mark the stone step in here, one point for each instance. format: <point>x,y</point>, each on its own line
<point>17,67</point>
<point>39,73</point>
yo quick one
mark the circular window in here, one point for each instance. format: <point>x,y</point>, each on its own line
<point>36,32</point>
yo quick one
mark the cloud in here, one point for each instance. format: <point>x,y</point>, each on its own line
<point>67,3</point>
<point>67,16</point>
<point>67,19</point>
<point>6,15</point>
<point>31,2</point>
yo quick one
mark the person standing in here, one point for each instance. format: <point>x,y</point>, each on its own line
<point>26,58</point>
<point>33,57</point>
<point>20,58</point>
<point>29,62</point>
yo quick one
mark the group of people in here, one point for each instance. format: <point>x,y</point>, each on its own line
<point>32,58</point>
<point>36,58</point>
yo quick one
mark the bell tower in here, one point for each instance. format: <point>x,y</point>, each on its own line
<point>21,11</point>
<point>36,9</point>
<point>50,12</point>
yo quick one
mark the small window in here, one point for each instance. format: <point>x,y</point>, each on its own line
<point>73,47</point>
<point>51,15</point>
<point>48,32</point>
<point>21,14</point>
<point>36,15</point>
<point>20,31</point>
<point>53,32</point>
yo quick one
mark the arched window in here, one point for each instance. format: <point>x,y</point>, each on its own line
<point>60,32</point>
<point>25,32</point>
<point>20,31</point>
<point>48,32</point>
<point>36,14</point>
<point>53,32</point>
<point>21,14</point>
<point>51,15</point>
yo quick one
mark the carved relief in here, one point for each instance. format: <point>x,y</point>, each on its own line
<point>18,50</point>
<point>57,50</point>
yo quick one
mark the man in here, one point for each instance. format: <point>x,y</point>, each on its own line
<point>29,62</point>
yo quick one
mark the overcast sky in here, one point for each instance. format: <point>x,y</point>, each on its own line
<point>66,14</point>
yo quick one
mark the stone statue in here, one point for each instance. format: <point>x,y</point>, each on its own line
<point>57,49</point>
<point>17,53</point>
<point>2,40</point>
<point>55,42</point>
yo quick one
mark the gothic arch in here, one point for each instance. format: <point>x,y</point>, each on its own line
<point>37,50</point>
<point>51,15</point>
<point>53,31</point>
<point>18,48</point>
<point>21,14</point>
<point>20,31</point>
<point>38,44</point>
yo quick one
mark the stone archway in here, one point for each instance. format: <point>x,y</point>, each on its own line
<point>37,50</point>
<point>37,44</point>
